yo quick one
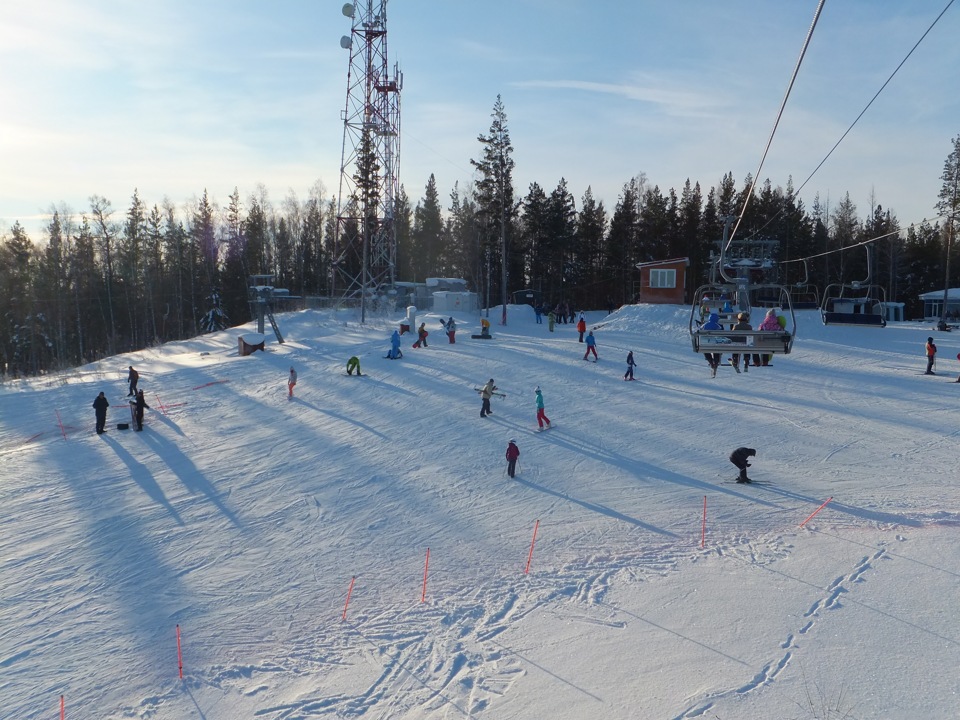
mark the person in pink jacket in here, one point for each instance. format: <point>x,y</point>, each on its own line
<point>770,323</point>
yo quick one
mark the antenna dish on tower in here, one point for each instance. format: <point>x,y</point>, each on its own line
<point>348,10</point>
<point>345,42</point>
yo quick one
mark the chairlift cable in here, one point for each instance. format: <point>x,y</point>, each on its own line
<point>857,119</point>
<point>783,104</point>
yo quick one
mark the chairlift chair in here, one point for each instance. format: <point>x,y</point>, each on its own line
<point>855,303</point>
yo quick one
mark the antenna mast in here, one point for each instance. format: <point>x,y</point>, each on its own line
<point>365,241</point>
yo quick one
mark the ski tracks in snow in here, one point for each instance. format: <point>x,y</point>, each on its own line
<point>830,600</point>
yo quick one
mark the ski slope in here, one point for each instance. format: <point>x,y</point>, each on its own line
<point>242,517</point>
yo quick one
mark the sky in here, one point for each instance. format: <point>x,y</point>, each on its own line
<point>358,551</point>
<point>170,99</point>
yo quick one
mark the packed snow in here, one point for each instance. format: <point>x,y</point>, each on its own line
<point>621,574</point>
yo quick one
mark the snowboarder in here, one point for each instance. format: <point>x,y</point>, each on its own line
<point>931,356</point>
<point>485,394</point>
<point>591,347</point>
<point>451,328</point>
<point>100,405</point>
<point>354,364</point>
<point>138,407</point>
<point>628,375</point>
<point>513,453</point>
<point>394,352</point>
<point>421,336</point>
<point>484,327</point>
<point>541,414</point>
<point>581,326</point>
<point>133,377</point>
<point>743,323</point>
<point>291,381</point>
<point>739,458</point>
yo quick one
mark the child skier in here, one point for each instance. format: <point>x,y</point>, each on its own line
<point>513,453</point>
<point>739,458</point>
<point>630,366</point>
<point>581,326</point>
<point>931,356</point>
<point>591,347</point>
<point>291,381</point>
<point>541,414</point>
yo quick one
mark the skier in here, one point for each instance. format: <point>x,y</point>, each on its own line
<point>713,359</point>
<point>291,382</point>
<point>394,352</point>
<point>628,375</point>
<point>485,394</point>
<point>139,405</point>
<point>581,326</point>
<point>591,347</point>
<point>743,323</point>
<point>739,458</point>
<point>513,454</point>
<point>100,405</point>
<point>451,328</point>
<point>541,414</point>
<point>421,336</point>
<point>354,364</point>
<point>133,377</point>
<point>931,356</point>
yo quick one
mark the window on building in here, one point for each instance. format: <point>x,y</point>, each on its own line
<point>663,278</point>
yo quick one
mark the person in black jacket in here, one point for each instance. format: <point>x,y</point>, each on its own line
<point>138,409</point>
<point>100,406</point>
<point>739,458</point>
<point>133,377</point>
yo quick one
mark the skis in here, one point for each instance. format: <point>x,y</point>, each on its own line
<point>548,427</point>
<point>498,394</point>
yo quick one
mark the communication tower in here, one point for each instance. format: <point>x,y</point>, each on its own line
<point>365,242</point>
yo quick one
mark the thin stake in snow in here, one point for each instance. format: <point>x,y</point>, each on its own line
<point>536,525</point>
<point>179,654</point>
<point>63,709</point>
<point>703,527</point>
<point>163,410</point>
<point>816,511</point>
<point>426,567</point>
<point>60,423</point>
<point>349,593</point>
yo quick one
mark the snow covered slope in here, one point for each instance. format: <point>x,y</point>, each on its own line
<point>242,517</point>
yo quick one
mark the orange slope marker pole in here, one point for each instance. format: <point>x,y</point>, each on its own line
<point>179,654</point>
<point>426,567</point>
<point>63,709</point>
<point>536,525</point>
<point>349,593</point>
<point>816,511</point>
<point>60,423</point>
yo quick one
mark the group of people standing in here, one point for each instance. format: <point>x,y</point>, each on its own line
<point>138,404</point>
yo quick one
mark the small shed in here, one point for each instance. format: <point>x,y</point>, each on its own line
<point>250,342</point>
<point>663,281</point>
<point>445,301</point>
<point>933,305</point>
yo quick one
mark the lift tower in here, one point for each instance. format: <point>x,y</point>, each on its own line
<point>365,243</point>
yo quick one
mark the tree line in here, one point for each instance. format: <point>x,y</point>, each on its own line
<point>101,282</point>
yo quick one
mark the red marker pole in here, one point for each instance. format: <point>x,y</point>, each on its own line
<point>179,654</point>
<point>703,527</point>
<point>60,423</point>
<point>163,410</point>
<point>349,593</point>
<point>63,709</point>
<point>816,511</point>
<point>534,540</point>
<point>426,567</point>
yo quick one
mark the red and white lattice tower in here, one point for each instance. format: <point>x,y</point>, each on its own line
<point>365,245</point>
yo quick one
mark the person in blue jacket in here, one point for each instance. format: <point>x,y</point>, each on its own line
<point>713,359</point>
<point>591,347</point>
<point>395,346</point>
<point>630,366</point>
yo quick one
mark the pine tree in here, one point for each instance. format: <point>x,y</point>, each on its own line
<point>427,235</point>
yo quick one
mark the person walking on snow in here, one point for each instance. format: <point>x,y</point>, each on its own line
<point>739,458</point>
<point>485,394</point>
<point>421,336</point>
<point>581,326</point>
<point>513,454</point>
<point>138,407</point>
<point>628,375</point>
<point>291,381</point>
<point>354,364</point>
<point>133,377</point>
<point>100,405</point>
<point>591,347</point>
<point>541,414</point>
<point>931,356</point>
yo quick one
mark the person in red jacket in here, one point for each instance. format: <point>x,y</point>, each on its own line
<point>931,356</point>
<point>581,326</point>
<point>513,453</point>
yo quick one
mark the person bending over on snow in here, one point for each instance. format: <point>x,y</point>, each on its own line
<point>931,356</point>
<point>541,413</point>
<point>353,364</point>
<point>591,346</point>
<point>513,453</point>
<point>739,458</point>
<point>485,394</point>
<point>394,352</point>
